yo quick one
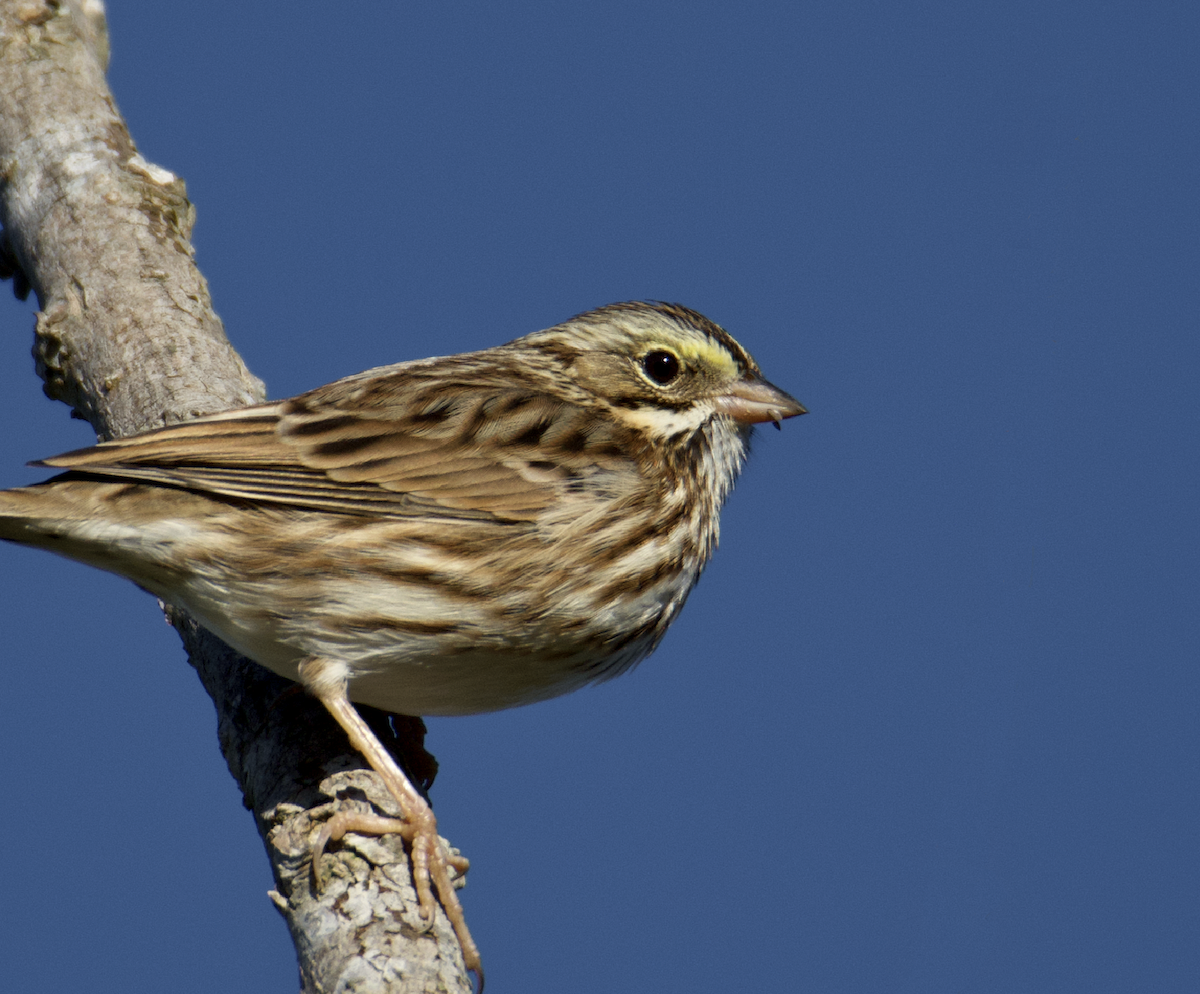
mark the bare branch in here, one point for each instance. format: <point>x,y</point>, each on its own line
<point>128,338</point>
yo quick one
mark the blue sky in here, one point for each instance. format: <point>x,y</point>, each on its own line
<point>928,723</point>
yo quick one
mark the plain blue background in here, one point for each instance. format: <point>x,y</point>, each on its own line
<point>928,724</point>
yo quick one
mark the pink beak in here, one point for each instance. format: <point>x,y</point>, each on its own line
<point>755,401</point>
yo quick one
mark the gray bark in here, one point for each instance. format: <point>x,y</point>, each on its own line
<point>126,335</point>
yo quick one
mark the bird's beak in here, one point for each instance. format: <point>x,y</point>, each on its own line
<point>754,401</point>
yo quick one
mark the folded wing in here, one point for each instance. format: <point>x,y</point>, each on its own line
<point>381,445</point>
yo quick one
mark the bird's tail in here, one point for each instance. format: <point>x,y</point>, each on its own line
<point>73,518</point>
<point>28,515</point>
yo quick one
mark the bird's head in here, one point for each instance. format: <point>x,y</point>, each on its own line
<point>663,369</point>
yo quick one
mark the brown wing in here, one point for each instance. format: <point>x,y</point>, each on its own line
<point>400,442</point>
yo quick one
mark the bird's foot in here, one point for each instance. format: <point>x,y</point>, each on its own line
<point>431,862</point>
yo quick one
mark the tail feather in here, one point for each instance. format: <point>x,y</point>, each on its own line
<point>26,516</point>
<point>83,519</point>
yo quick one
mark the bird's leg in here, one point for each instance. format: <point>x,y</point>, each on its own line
<point>431,862</point>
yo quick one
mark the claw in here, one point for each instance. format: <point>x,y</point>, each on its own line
<point>431,861</point>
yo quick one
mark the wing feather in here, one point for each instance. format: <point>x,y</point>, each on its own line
<point>396,444</point>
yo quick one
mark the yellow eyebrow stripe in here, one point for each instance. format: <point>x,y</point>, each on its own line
<point>706,354</point>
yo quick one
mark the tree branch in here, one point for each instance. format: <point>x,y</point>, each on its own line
<point>127,336</point>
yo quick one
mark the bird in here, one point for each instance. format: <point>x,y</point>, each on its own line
<point>444,536</point>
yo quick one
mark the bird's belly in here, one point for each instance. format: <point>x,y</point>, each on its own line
<point>410,653</point>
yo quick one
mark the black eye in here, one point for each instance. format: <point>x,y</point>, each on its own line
<point>661,367</point>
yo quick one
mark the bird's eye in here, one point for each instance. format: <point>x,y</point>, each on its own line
<point>661,367</point>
